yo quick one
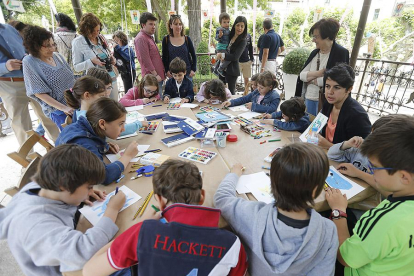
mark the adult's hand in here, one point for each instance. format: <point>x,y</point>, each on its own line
<point>97,61</point>
<point>13,64</point>
<point>192,73</point>
<point>158,78</point>
<point>169,75</point>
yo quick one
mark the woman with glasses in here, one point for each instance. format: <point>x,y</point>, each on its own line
<point>146,91</point>
<point>346,117</point>
<point>46,74</point>
<point>91,49</point>
<point>176,44</point>
<point>327,54</point>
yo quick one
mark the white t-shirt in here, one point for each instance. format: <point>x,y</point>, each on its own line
<point>312,91</point>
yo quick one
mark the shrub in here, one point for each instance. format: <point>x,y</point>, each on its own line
<point>203,62</point>
<point>294,61</point>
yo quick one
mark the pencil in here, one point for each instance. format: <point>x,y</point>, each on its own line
<point>146,203</point>
<point>140,207</point>
<point>275,140</point>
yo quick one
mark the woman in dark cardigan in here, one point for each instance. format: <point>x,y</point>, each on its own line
<point>346,116</point>
<point>236,47</point>
<point>327,53</point>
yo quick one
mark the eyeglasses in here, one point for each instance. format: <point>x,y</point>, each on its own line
<point>50,46</point>
<point>316,36</point>
<point>372,168</point>
<point>150,92</point>
<point>175,16</point>
<point>109,88</point>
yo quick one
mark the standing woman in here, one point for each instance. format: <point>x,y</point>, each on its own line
<point>176,44</point>
<point>90,49</point>
<point>46,74</point>
<point>326,55</point>
<point>235,49</point>
<point>125,59</point>
<point>65,33</point>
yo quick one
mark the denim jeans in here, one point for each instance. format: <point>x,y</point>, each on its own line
<point>312,107</point>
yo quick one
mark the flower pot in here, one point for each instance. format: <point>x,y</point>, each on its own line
<point>289,81</point>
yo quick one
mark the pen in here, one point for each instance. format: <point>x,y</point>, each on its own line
<point>163,220</point>
<point>275,140</point>
<point>157,105</point>
<point>116,190</point>
<point>146,132</point>
<point>154,150</point>
<point>264,167</point>
<point>119,179</point>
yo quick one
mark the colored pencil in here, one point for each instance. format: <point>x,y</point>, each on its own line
<point>275,140</point>
<point>155,208</point>
<point>146,203</point>
<point>140,207</point>
<point>116,190</point>
<point>157,105</point>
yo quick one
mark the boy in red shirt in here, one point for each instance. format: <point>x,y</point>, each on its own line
<point>187,241</point>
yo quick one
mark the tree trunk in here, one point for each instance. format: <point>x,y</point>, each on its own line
<point>194,21</point>
<point>157,9</point>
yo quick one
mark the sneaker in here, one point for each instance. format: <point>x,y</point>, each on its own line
<point>221,73</point>
<point>215,72</point>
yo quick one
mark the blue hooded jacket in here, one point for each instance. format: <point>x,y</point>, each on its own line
<point>301,125</point>
<point>268,104</point>
<point>81,133</point>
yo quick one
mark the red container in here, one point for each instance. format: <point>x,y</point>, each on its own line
<point>232,138</point>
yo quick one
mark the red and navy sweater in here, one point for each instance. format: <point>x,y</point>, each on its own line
<point>189,244</point>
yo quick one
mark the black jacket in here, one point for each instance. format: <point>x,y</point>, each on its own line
<point>236,50</point>
<point>338,54</point>
<point>352,121</point>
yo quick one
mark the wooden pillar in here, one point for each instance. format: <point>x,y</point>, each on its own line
<point>77,9</point>
<point>360,32</point>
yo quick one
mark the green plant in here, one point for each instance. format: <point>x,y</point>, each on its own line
<point>294,61</point>
<point>203,62</point>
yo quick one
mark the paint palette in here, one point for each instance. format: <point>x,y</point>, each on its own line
<point>242,121</point>
<point>173,106</point>
<point>152,127</point>
<point>197,155</point>
<point>209,108</point>
<point>256,131</point>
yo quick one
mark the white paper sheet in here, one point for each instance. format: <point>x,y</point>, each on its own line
<point>250,114</point>
<point>115,157</point>
<point>134,116</point>
<point>261,190</point>
<point>134,108</point>
<point>238,108</point>
<point>189,105</point>
<point>320,121</point>
<point>241,187</point>
<point>127,136</point>
<point>95,212</point>
<point>175,100</point>
<point>336,180</point>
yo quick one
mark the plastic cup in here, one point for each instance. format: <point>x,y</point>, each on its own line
<point>221,139</point>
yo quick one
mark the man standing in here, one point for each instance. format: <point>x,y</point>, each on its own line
<point>13,90</point>
<point>245,61</point>
<point>147,51</point>
<point>271,45</point>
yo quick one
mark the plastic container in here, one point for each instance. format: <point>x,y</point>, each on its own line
<point>221,139</point>
<point>313,137</point>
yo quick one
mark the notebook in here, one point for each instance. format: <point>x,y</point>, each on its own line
<point>171,128</point>
<point>177,139</point>
<point>212,116</point>
<point>190,126</point>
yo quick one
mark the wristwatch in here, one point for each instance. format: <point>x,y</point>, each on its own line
<point>337,214</point>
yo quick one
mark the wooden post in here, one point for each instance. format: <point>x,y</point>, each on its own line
<point>223,5</point>
<point>360,32</point>
<point>77,9</point>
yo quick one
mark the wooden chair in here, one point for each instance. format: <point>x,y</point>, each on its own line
<point>25,178</point>
<point>24,156</point>
<point>67,122</point>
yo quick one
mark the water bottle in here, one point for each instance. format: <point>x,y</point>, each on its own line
<point>313,137</point>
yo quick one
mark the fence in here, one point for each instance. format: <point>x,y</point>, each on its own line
<point>381,86</point>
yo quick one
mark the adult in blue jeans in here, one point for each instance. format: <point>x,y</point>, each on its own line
<point>327,54</point>
<point>46,74</point>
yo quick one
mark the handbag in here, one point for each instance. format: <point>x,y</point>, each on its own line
<point>321,99</point>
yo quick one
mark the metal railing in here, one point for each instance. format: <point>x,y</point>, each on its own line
<point>381,86</point>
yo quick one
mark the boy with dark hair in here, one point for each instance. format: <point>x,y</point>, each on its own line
<point>186,242</point>
<point>382,242</point>
<point>287,237</point>
<point>179,85</point>
<point>38,223</point>
<point>223,38</point>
